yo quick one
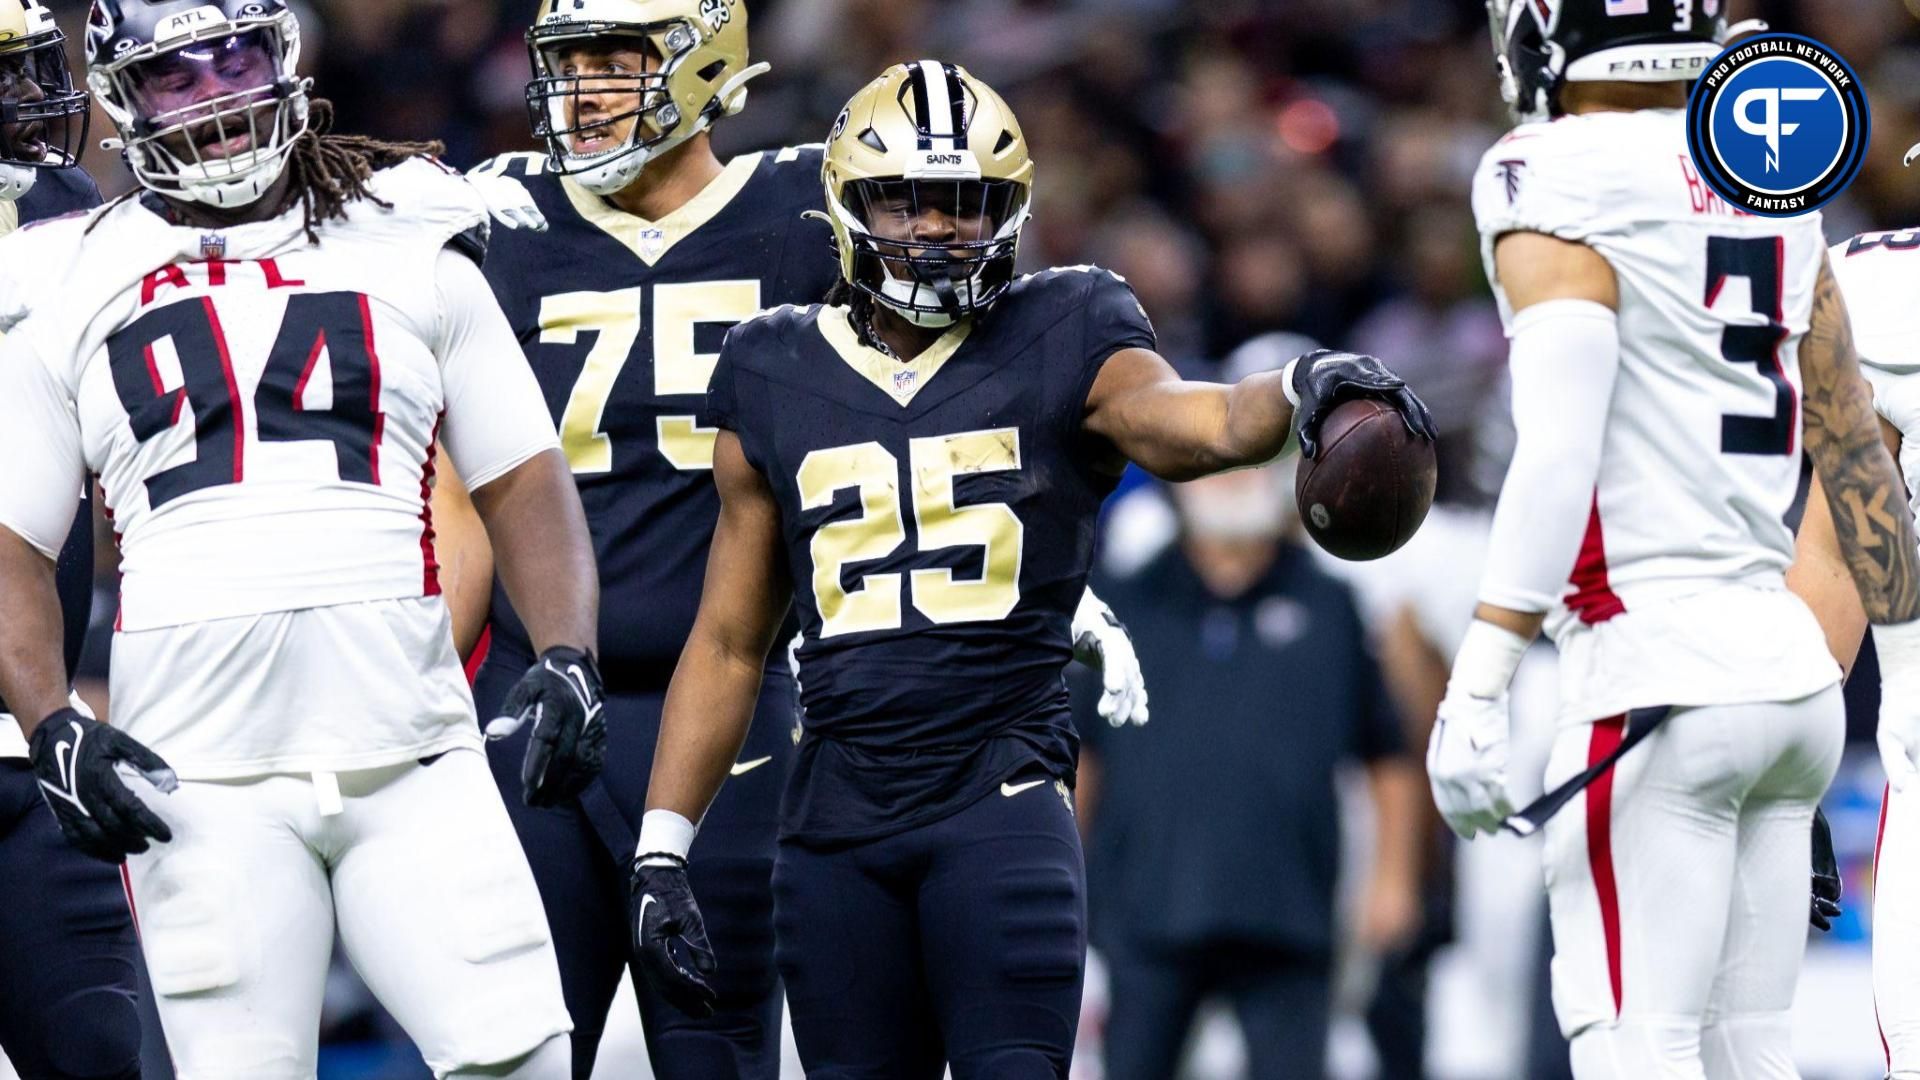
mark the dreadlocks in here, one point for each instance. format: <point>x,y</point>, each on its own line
<point>329,171</point>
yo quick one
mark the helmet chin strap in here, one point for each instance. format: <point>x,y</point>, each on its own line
<point>16,181</point>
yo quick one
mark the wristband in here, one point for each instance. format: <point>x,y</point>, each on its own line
<point>1486,661</point>
<point>1286,382</point>
<point>663,832</point>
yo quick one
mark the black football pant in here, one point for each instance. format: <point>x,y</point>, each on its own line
<point>67,948</point>
<point>962,941</point>
<point>580,854</point>
<point>1282,1000</point>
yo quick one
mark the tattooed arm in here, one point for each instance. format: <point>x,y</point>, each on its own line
<point>1868,504</point>
<point>1865,494</point>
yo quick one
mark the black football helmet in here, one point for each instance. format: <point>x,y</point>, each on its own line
<point>1541,44</point>
<point>205,93</point>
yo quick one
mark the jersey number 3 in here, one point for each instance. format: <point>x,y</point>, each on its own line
<point>880,529</point>
<point>614,320</point>
<point>336,323</point>
<point>1758,259</point>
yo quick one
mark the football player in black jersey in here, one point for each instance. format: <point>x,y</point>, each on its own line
<point>919,465</point>
<point>630,249</point>
<point>67,944</point>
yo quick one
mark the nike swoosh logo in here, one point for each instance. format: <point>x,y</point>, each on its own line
<point>1010,790</point>
<point>644,901</point>
<point>745,767</point>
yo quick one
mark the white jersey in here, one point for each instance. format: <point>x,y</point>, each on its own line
<point>261,413</point>
<point>1678,595</point>
<point>1879,274</point>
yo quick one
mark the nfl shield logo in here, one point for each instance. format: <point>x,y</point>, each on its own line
<point>213,246</point>
<point>653,241</point>
<point>904,382</point>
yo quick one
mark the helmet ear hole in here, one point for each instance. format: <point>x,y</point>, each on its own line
<point>872,141</point>
<point>712,71</point>
<point>1006,140</point>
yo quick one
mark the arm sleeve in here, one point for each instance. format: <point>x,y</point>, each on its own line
<point>1565,357</point>
<point>496,418</point>
<point>40,442</point>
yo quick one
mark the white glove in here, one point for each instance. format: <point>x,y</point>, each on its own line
<point>509,201</point>
<point>1467,753</point>
<point>1100,641</point>
<point>1899,732</point>
<point>1467,763</point>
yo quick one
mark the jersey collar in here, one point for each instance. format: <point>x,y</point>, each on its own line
<point>900,380</point>
<point>651,240</point>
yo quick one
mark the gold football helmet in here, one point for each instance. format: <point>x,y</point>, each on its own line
<point>43,116</point>
<point>928,185</point>
<point>698,73</point>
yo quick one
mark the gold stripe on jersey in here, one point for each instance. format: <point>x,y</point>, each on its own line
<point>900,380</point>
<point>651,240</point>
<point>9,217</point>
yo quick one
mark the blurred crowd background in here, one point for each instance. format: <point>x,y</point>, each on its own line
<point>1253,168</point>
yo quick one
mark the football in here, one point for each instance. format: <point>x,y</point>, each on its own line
<point>1371,486</point>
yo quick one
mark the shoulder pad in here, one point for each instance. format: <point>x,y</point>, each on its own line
<point>429,200</point>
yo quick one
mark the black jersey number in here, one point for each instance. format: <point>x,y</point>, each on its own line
<point>679,368</point>
<point>875,604</point>
<point>1758,259</point>
<point>337,324</point>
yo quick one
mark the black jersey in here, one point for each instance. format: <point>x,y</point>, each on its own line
<point>939,521</point>
<point>622,319</point>
<point>57,193</point>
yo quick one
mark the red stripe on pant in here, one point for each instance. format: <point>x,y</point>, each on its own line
<point>1880,835</point>
<point>126,886</point>
<point>1606,737</point>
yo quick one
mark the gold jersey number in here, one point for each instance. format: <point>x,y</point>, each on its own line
<point>614,318</point>
<point>875,603</point>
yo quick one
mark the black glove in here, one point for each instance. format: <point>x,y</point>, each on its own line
<point>74,758</point>
<point>667,922</point>
<point>1826,875</point>
<point>1324,379</point>
<point>560,695</point>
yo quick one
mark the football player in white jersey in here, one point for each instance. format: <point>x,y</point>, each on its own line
<point>1879,273</point>
<point>1664,350</point>
<point>254,356</point>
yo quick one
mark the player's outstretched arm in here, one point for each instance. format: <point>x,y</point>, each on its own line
<point>1564,359</point>
<point>1867,502</point>
<point>708,709</point>
<point>1180,430</point>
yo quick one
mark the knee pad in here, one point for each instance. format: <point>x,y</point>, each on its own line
<point>1009,1065</point>
<point>1749,1046</point>
<point>98,1038</point>
<point>1639,1048</point>
<point>551,1060</point>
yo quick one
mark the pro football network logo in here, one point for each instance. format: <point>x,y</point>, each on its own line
<point>1778,125</point>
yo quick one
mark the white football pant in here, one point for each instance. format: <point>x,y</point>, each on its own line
<point>1896,933</point>
<point>419,867</point>
<point>1679,889</point>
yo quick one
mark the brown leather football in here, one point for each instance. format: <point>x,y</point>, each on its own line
<point>1372,485</point>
